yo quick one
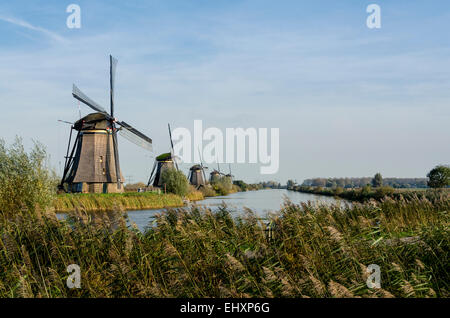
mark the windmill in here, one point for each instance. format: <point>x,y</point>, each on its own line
<point>229,175</point>
<point>197,176</point>
<point>162,163</point>
<point>215,175</point>
<point>93,164</point>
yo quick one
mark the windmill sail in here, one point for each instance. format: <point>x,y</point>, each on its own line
<point>201,164</point>
<point>78,94</point>
<point>171,145</point>
<point>112,79</point>
<point>135,136</point>
<point>152,174</point>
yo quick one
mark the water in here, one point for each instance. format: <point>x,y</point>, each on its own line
<point>261,202</point>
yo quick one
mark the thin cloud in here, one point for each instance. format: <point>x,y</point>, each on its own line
<point>29,26</point>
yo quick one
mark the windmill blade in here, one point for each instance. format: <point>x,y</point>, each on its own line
<point>116,158</point>
<point>171,145</point>
<point>112,80</point>
<point>176,159</point>
<point>218,167</point>
<point>78,94</point>
<point>65,122</point>
<point>135,136</point>
<point>201,164</point>
<point>151,174</point>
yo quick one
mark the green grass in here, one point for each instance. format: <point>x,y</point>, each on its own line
<point>97,202</point>
<point>315,251</point>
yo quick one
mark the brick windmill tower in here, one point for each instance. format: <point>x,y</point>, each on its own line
<point>93,164</point>
<point>162,163</point>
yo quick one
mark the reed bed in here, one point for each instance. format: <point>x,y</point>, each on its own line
<point>101,202</point>
<point>311,251</point>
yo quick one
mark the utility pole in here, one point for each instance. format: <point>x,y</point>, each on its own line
<point>130,179</point>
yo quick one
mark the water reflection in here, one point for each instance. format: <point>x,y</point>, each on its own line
<point>261,202</point>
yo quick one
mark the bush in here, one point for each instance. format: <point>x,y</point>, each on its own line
<point>25,181</point>
<point>175,182</point>
<point>338,191</point>
<point>366,190</point>
<point>222,185</point>
<point>381,192</point>
<point>193,194</point>
<point>241,184</point>
<point>208,191</point>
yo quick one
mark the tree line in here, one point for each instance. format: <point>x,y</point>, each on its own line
<point>361,182</point>
<point>438,177</point>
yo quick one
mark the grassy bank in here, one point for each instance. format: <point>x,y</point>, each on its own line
<point>195,196</point>
<point>367,193</point>
<point>315,251</point>
<point>96,202</point>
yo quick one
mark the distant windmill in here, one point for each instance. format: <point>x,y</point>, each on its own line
<point>163,162</point>
<point>197,176</point>
<point>93,164</point>
<point>229,175</point>
<point>215,175</point>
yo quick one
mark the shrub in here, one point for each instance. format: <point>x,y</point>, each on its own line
<point>366,190</point>
<point>193,194</point>
<point>25,181</point>
<point>208,191</point>
<point>175,181</point>
<point>222,185</point>
<point>241,184</point>
<point>338,191</point>
<point>381,192</point>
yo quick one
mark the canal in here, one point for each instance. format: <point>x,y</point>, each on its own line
<point>261,202</point>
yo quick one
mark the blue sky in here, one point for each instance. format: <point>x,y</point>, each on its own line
<point>349,101</point>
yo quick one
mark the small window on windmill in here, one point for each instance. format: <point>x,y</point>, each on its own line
<point>104,171</point>
<point>101,158</point>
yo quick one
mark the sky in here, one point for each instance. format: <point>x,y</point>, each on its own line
<point>349,101</point>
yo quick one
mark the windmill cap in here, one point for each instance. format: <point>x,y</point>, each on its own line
<point>164,157</point>
<point>91,120</point>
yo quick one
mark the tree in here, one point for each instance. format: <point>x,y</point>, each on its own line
<point>290,184</point>
<point>377,180</point>
<point>439,177</point>
<point>175,181</point>
<point>241,184</point>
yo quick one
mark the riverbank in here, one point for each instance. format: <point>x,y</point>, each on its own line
<point>367,193</point>
<point>310,251</point>
<point>101,202</point>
